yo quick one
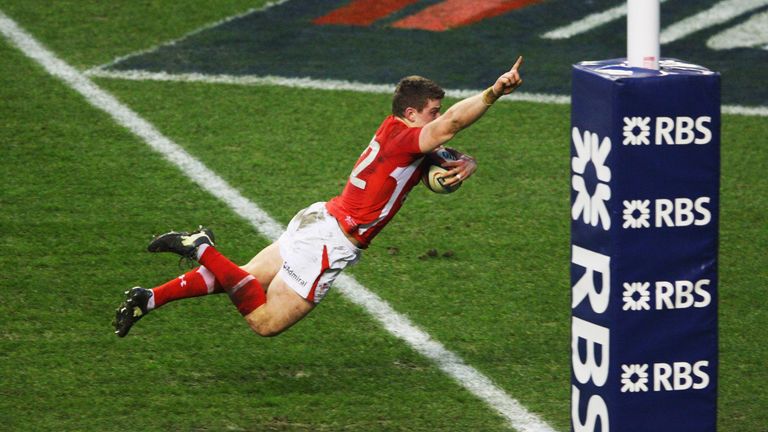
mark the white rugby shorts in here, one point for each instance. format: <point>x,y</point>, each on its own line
<point>314,252</point>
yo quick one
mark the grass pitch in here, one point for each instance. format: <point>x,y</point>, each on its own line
<point>81,196</point>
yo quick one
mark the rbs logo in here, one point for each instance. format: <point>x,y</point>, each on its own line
<point>678,376</point>
<point>680,130</point>
<point>680,212</point>
<point>681,294</point>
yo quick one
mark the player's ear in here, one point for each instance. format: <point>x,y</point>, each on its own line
<point>410,114</point>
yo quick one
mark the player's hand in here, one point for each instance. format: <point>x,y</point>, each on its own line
<point>459,170</point>
<point>510,80</point>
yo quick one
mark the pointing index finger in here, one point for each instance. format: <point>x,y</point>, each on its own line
<point>518,63</point>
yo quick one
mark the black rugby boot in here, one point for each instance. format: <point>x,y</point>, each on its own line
<point>182,243</point>
<point>131,310</point>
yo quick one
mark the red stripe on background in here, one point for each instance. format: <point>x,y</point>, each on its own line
<point>456,13</point>
<point>363,12</point>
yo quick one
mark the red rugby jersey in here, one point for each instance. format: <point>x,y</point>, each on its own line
<point>382,177</point>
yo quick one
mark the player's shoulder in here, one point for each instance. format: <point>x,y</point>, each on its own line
<point>391,125</point>
<point>396,133</point>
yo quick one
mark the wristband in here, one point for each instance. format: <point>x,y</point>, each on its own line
<point>489,97</point>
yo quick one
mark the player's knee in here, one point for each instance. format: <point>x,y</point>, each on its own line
<point>264,328</point>
<point>267,331</point>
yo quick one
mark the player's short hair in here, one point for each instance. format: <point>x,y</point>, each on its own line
<point>414,91</point>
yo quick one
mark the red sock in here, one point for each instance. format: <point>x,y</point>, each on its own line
<point>244,290</point>
<point>196,283</point>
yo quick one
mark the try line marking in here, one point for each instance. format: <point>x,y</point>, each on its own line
<point>322,84</point>
<point>397,324</point>
<point>578,27</point>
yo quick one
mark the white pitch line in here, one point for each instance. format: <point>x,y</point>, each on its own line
<point>589,22</point>
<point>750,33</point>
<point>745,110</point>
<point>304,83</point>
<point>719,13</point>
<point>399,325</point>
<point>317,84</point>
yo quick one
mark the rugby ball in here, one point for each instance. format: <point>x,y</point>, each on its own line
<point>433,173</point>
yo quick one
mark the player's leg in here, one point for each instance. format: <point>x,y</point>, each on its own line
<point>140,301</point>
<point>312,252</point>
<point>306,260</point>
<point>265,265</point>
<point>195,283</point>
<point>284,308</point>
<point>267,315</point>
<point>245,290</point>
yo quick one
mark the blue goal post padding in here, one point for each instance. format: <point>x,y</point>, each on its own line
<point>645,176</point>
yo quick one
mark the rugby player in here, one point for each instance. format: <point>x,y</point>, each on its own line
<point>288,278</point>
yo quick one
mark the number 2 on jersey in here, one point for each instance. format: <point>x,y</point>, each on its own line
<point>374,150</point>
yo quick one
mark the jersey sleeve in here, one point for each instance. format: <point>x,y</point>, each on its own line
<point>408,139</point>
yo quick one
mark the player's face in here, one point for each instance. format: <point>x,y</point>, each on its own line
<point>429,113</point>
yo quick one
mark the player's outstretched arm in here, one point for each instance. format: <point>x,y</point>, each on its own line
<point>467,111</point>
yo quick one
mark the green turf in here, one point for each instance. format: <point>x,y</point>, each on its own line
<point>92,32</point>
<point>81,197</point>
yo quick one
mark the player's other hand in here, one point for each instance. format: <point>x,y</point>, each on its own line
<point>510,80</point>
<point>459,170</point>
